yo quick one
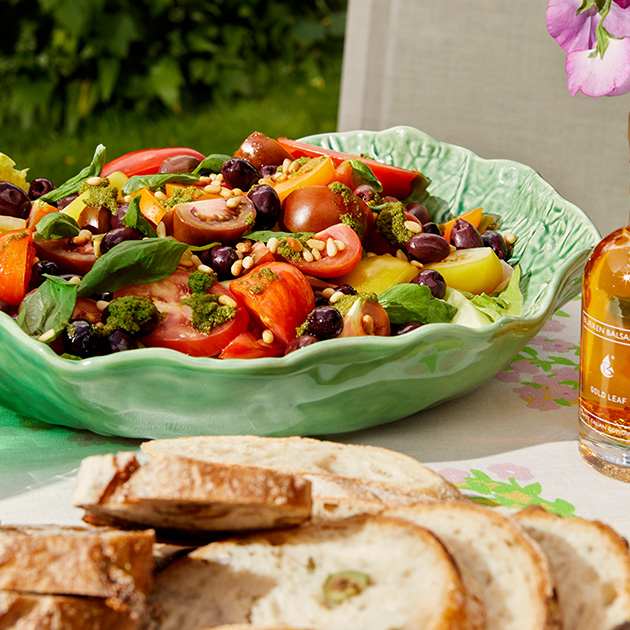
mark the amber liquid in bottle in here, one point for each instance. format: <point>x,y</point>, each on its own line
<point>605,357</point>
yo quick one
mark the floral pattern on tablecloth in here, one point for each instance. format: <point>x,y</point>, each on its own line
<point>546,371</point>
<point>507,490</point>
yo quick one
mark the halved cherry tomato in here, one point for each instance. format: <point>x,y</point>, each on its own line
<point>16,261</point>
<point>319,171</point>
<point>396,181</point>
<point>248,346</point>
<point>146,161</point>
<point>344,260</point>
<point>208,220</point>
<point>344,175</point>
<point>78,259</point>
<point>314,208</point>
<point>365,318</point>
<point>277,296</point>
<point>472,216</point>
<point>176,331</point>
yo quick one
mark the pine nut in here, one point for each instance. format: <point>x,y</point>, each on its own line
<point>314,243</point>
<point>244,246</point>
<point>294,244</point>
<point>308,257</point>
<point>272,244</point>
<point>212,189</point>
<point>236,268</point>
<point>316,255</point>
<point>413,226</point>
<point>225,192</point>
<point>160,195</point>
<point>328,292</point>
<point>237,192</point>
<point>509,238</point>
<point>286,164</point>
<point>75,280</point>
<point>204,179</point>
<point>248,262</point>
<point>267,336</point>
<point>335,297</point>
<point>368,324</point>
<point>160,230</point>
<point>101,305</point>
<point>195,260</point>
<point>416,263</point>
<point>47,336</point>
<point>204,268</point>
<point>127,198</point>
<point>331,247</point>
<point>226,300</point>
<point>340,245</point>
<point>401,255</point>
<point>93,181</point>
<point>233,202</point>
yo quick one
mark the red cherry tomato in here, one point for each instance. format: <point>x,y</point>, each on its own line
<point>176,331</point>
<point>277,296</point>
<point>396,181</point>
<point>16,261</point>
<point>146,161</point>
<point>343,262</point>
<point>248,346</point>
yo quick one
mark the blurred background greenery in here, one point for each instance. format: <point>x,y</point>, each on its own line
<point>204,74</point>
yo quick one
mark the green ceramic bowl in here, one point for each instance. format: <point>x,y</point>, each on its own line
<point>333,386</point>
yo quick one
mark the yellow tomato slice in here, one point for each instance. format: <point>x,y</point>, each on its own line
<point>377,273</point>
<point>316,172</point>
<point>476,270</point>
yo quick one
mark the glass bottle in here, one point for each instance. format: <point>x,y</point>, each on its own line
<point>604,405</point>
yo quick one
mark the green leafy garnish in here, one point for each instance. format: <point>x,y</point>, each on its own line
<point>49,307</point>
<point>132,262</point>
<point>71,187</point>
<point>211,164</point>
<point>363,174</point>
<point>406,303</point>
<point>508,302</point>
<point>57,225</point>
<point>153,182</point>
<point>135,219</point>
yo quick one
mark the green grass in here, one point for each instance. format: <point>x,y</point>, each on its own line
<point>291,110</point>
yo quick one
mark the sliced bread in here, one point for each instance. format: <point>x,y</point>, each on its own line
<point>346,479</point>
<point>51,559</point>
<point>182,495</point>
<point>500,563</point>
<point>591,565</point>
<point>371,573</point>
<point>24,611</point>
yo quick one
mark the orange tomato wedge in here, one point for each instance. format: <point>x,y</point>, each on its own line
<point>17,254</point>
<point>150,207</point>
<point>472,216</point>
<point>319,171</point>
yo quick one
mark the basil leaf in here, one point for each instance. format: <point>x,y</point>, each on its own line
<point>201,248</point>
<point>135,219</point>
<point>132,262</point>
<point>153,182</point>
<point>71,186</point>
<point>363,174</point>
<point>57,225</point>
<point>406,303</point>
<point>211,164</point>
<point>50,306</point>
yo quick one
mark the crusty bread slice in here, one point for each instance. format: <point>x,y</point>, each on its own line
<point>591,565</point>
<point>500,563</point>
<point>183,495</point>
<point>57,560</point>
<point>347,479</point>
<point>24,611</point>
<point>385,574</point>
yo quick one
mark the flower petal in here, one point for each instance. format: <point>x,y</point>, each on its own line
<point>596,76</point>
<point>570,30</point>
<point>617,22</point>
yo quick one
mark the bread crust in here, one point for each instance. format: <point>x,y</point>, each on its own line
<point>181,495</point>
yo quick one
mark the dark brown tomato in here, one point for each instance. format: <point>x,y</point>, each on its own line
<point>77,259</point>
<point>260,150</point>
<point>95,219</point>
<point>315,208</point>
<point>209,220</point>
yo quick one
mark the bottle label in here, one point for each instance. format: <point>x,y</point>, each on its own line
<point>605,331</point>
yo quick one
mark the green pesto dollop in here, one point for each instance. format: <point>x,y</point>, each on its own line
<point>286,251</point>
<point>182,195</point>
<point>354,223</point>
<point>134,314</point>
<point>208,313</point>
<point>390,222</point>
<point>201,281</point>
<point>101,195</point>
<point>346,302</point>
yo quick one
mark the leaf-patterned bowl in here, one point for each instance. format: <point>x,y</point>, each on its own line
<point>333,386</point>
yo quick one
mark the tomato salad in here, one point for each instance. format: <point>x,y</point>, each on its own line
<point>258,254</point>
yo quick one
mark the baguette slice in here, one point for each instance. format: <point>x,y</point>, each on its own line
<point>591,565</point>
<point>180,495</point>
<point>405,579</point>
<point>51,559</point>
<point>347,479</point>
<point>23,611</point>
<point>500,563</point>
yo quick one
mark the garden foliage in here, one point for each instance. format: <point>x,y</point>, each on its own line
<point>61,60</point>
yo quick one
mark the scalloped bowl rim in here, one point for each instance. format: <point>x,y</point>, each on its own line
<point>133,358</point>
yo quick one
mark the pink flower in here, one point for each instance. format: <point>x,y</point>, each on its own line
<point>597,42</point>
